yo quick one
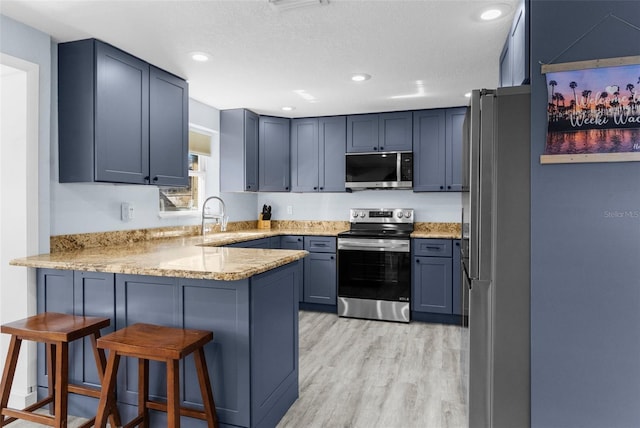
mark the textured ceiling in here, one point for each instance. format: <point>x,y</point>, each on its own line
<point>420,54</point>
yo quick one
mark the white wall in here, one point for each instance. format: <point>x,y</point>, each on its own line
<point>24,190</point>
<point>429,207</point>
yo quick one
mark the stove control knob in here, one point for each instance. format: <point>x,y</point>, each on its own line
<point>355,214</point>
<point>399,215</point>
<point>362,214</point>
<point>407,214</point>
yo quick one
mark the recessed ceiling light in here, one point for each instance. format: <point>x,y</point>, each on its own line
<point>360,77</point>
<point>288,108</point>
<point>468,95</point>
<point>199,56</point>
<point>490,14</point>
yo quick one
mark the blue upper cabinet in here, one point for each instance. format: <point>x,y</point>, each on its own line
<point>168,128</point>
<point>454,119</point>
<point>317,154</point>
<point>332,135</point>
<point>429,150</point>
<point>395,131</point>
<point>239,150</point>
<point>384,132</point>
<point>514,59</point>
<point>305,155</point>
<point>362,133</point>
<point>118,116</point>
<point>437,150</point>
<point>274,154</point>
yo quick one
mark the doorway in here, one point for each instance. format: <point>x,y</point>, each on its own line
<point>18,209</point>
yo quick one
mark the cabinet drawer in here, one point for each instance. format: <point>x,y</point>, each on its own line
<point>291,242</point>
<point>320,244</point>
<point>432,247</point>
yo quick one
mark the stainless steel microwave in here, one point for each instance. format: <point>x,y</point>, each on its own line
<point>391,170</point>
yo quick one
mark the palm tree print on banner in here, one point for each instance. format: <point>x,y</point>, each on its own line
<point>605,118</point>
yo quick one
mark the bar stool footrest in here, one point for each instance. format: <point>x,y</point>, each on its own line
<point>184,411</point>
<point>14,414</point>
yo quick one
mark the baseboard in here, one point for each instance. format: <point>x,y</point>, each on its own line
<point>21,399</point>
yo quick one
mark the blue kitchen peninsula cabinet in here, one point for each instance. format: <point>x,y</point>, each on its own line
<point>121,120</point>
<point>379,132</point>
<point>437,150</point>
<point>317,154</point>
<point>238,150</point>
<point>252,361</point>
<point>274,154</point>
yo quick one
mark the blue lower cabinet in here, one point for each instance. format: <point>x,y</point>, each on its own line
<point>432,285</point>
<point>320,282</point>
<point>436,281</point>
<point>78,293</point>
<point>252,360</point>
<point>456,286</point>
<point>320,274</point>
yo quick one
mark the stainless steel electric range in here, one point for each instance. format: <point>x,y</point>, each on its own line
<point>374,270</point>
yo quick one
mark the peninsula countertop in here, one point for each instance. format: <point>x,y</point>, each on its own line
<point>190,257</point>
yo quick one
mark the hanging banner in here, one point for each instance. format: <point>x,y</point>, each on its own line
<point>593,113</point>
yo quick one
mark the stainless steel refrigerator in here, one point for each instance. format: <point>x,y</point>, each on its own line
<point>496,256</point>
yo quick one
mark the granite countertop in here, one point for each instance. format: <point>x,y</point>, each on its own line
<point>193,256</point>
<point>178,257</point>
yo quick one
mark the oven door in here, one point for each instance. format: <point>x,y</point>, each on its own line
<point>375,270</point>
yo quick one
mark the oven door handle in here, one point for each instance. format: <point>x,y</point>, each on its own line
<point>375,246</point>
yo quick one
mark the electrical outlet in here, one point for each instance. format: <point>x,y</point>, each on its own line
<point>289,209</point>
<point>127,213</point>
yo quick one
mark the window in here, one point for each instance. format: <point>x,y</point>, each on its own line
<point>189,199</point>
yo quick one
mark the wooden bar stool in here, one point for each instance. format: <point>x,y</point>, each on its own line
<point>153,342</point>
<point>56,331</point>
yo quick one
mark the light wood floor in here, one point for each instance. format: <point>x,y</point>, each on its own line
<point>368,374</point>
<point>373,374</point>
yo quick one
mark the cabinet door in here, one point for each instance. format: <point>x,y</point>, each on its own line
<point>362,133</point>
<point>94,294</point>
<point>304,155</point>
<point>454,131</point>
<point>168,129</point>
<point>432,285</point>
<point>395,131</point>
<point>251,139</point>
<point>456,282</point>
<point>146,299</point>
<point>54,294</point>
<point>274,154</point>
<point>332,135</point>
<point>506,79</point>
<point>320,278</point>
<point>238,150</point>
<point>518,47</point>
<point>429,150</point>
<point>121,117</point>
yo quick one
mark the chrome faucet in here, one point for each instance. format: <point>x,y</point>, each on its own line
<point>220,219</point>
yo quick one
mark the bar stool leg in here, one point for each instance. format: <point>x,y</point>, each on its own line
<point>7,375</point>
<point>61,388</point>
<point>143,391</point>
<point>101,363</point>
<point>50,351</point>
<point>205,388</point>
<point>173,393</point>
<point>108,388</point>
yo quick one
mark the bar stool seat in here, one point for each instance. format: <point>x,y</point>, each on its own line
<point>167,344</point>
<point>56,331</point>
